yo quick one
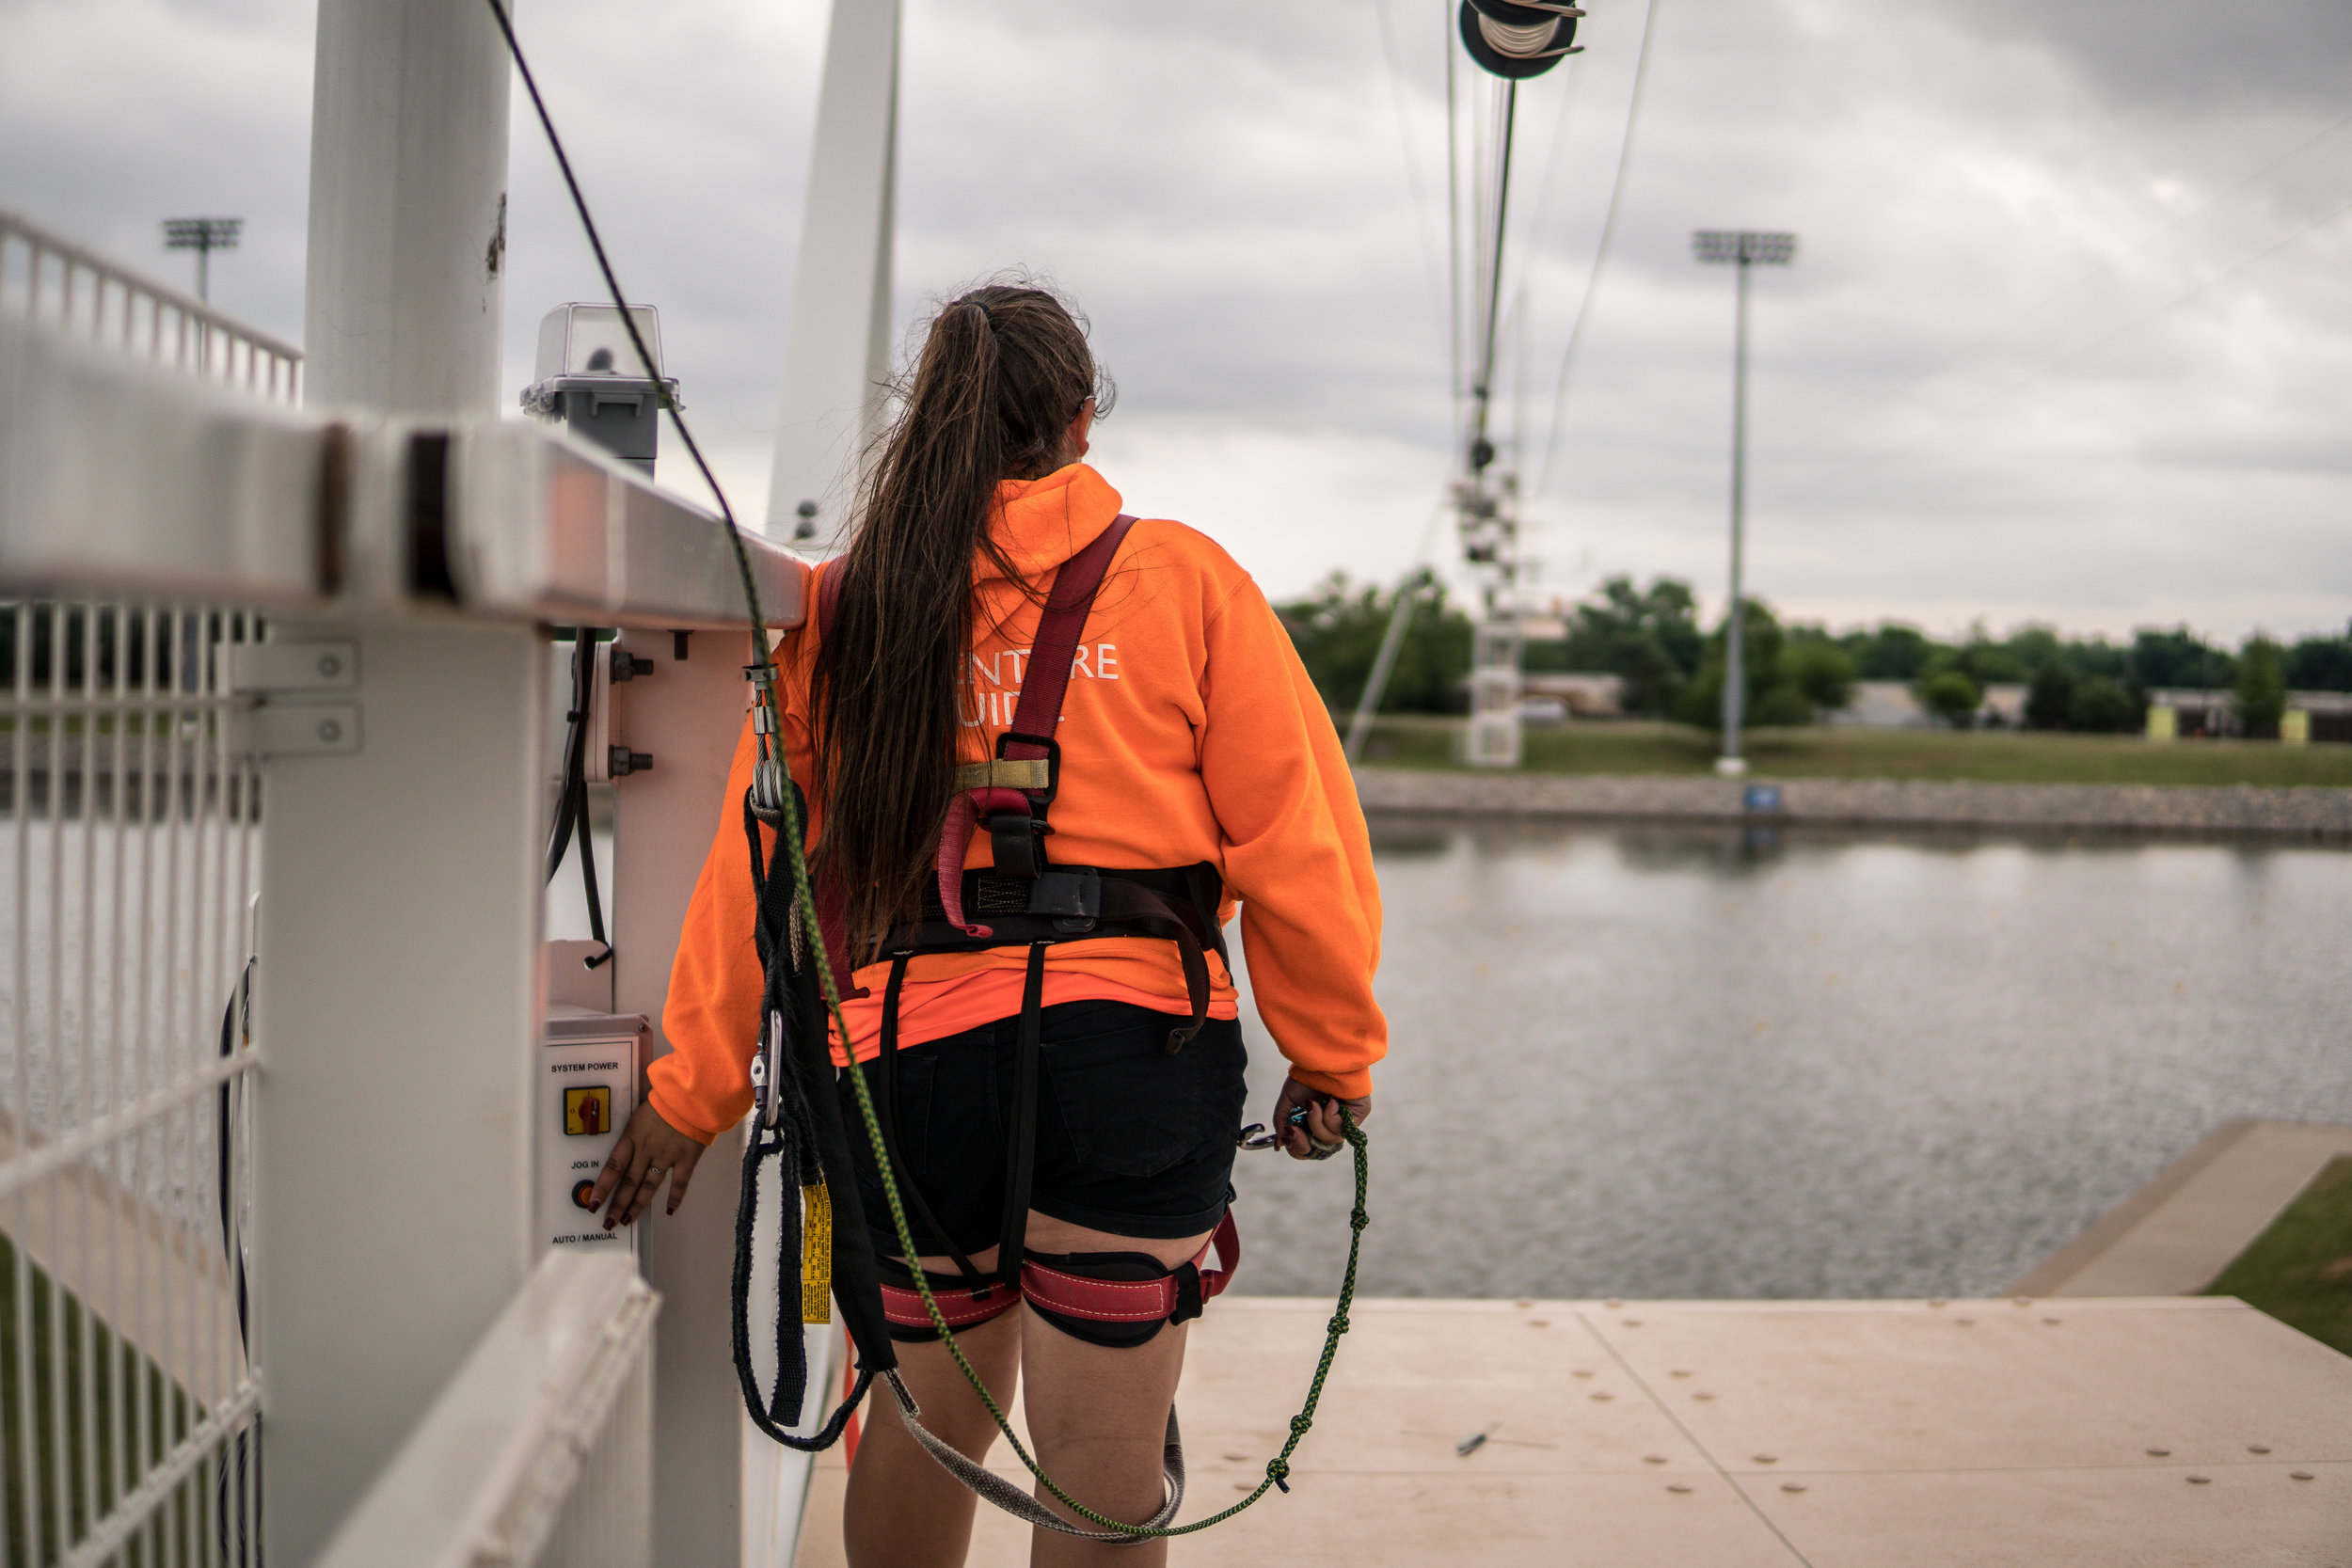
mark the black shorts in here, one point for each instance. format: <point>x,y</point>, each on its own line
<point>1130,1139</point>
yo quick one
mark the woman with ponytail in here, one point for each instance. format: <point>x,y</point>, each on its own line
<point>1193,769</point>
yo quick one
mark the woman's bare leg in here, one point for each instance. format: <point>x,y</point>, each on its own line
<point>902,1510</point>
<point>1098,1414</point>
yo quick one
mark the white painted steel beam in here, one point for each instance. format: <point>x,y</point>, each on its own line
<point>120,477</point>
<point>686,714</point>
<point>546,528</point>
<point>837,349</point>
<point>397,1001</point>
<point>724,1492</point>
<point>396,1008</point>
<point>496,1463</point>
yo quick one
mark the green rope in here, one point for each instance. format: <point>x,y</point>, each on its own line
<point>1278,1469</point>
<point>762,670</point>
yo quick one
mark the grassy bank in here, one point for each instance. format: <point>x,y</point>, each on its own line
<point>1824,752</point>
<point>2299,1270</point>
<point>79,1466</point>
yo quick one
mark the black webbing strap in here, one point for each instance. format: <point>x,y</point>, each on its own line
<point>1021,1138</point>
<point>886,1066</point>
<point>821,1146</point>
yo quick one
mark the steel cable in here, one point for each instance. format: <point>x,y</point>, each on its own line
<point>1600,251</point>
<point>1278,1468</point>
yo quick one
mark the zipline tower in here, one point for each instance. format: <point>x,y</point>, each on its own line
<point>1513,42</point>
<point>1489,527</point>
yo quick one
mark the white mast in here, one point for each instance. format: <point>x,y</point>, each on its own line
<point>394,1046</point>
<point>837,344</point>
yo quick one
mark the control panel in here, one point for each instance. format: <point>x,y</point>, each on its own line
<point>588,1067</point>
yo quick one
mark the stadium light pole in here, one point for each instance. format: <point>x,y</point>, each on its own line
<point>203,236</point>
<point>1743,249</point>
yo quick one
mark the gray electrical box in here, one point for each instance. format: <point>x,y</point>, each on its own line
<point>591,379</point>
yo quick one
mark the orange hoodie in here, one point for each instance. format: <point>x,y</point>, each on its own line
<point>1190,733</point>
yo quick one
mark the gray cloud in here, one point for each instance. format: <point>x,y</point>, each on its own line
<point>2043,333</point>
<point>2179,53</point>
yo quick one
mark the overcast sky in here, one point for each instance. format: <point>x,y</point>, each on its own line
<point>2066,337</point>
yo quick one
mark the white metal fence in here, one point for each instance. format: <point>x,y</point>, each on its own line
<point>193,570</point>
<point>129,849</point>
<point>47,278</point>
<point>130,853</point>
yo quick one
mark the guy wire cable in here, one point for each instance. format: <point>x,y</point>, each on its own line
<point>1600,252</point>
<point>636,338</point>
<point>1401,608</point>
<point>1454,243</point>
<point>1405,147</point>
<point>1278,1468</point>
<point>1506,122</point>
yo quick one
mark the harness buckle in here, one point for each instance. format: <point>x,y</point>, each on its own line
<point>767,1072</point>
<point>1189,1301</point>
<point>1071,894</point>
<point>1053,761</point>
<point>1015,838</point>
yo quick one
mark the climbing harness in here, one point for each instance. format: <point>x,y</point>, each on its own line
<point>1028,900</point>
<point>802,1132</point>
<point>1025,899</point>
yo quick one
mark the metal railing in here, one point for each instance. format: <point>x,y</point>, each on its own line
<point>129,849</point>
<point>47,278</point>
<point>159,537</point>
<point>539,1450</point>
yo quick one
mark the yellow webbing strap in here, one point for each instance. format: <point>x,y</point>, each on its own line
<point>1032,773</point>
<point>817,1254</point>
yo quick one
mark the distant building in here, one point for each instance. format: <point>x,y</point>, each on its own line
<point>2189,713</point>
<point>2004,706</point>
<point>1884,705</point>
<point>1894,706</point>
<point>1579,694</point>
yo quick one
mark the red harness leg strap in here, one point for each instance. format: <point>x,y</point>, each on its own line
<point>1136,1301</point>
<point>960,1304</point>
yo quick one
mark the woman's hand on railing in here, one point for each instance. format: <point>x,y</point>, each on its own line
<point>1320,1136</point>
<point>650,1149</point>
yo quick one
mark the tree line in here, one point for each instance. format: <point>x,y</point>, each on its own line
<point>1796,672</point>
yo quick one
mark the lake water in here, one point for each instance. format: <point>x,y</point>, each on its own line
<point>1700,1062</point>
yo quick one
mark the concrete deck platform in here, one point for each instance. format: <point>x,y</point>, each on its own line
<point>2159,1434</point>
<point>2176,1234</point>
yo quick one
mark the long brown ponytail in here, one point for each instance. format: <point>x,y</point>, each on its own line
<point>1003,372</point>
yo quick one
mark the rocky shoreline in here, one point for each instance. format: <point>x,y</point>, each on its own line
<point>2307,812</point>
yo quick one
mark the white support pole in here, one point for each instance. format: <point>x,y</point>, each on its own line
<point>393,1167</point>
<point>1731,764</point>
<point>837,350</point>
<point>712,1472</point>
<point>408,250</point>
